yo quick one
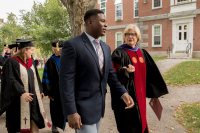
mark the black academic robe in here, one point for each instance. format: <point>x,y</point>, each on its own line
<point>130,120</point>
<point>50,84</point>
<point>11,90</point>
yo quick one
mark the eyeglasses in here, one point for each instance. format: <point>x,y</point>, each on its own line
<point>130,34</point>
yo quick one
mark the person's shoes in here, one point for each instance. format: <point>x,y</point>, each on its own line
<point>54,129</point>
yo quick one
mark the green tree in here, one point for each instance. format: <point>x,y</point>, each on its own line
<point>76,10</point>
<point>46,22</point>
<point>10,30</point>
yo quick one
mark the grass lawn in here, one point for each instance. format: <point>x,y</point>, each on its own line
<point>186,73</point>
<point>189,116</point>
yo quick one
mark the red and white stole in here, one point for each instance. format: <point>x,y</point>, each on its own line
<point>25,108</point>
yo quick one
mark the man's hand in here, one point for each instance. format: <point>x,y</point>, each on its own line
<point>128,100</point>
<point>74,121</point>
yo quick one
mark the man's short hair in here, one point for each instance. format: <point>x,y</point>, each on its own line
<point>92,12</point>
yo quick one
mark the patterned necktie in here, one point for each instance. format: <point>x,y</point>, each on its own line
<point>99,52</point>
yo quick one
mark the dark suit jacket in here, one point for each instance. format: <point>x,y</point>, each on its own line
<point>82,86</point>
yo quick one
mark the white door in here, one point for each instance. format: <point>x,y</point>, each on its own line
<point>181,37</point>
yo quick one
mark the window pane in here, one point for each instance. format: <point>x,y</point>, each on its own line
<point>119,39</point>
<point>103,38</point>
<point>136,8</point>
<point>119,43</point>
<point>136,13</point>
<point>156,40</point>
<point>180,36</point>
<point>119,36</point>
<point>180,27</point>
<point>118,1</point>
<point>185,27</point>
<point>119,11</point>
<point>103,5</point>
<point>157,30</point>
<point>185,35</point>
<point>157,3</point>
<point>182,0</point>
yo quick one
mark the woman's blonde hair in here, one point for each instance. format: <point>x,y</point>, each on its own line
<point>22,51</point>
<point>135,28</point>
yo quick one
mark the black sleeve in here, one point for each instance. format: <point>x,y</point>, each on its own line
<point>67,78</point>
<point>11,84</point>
<point>155,83</point>
<point>118,64</point>
<point>113,81</point>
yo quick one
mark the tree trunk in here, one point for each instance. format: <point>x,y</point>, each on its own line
<point>76,10</point>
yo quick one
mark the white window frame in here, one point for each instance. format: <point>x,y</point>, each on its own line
<point>134,8</point>
<point>116,39</point>
<point>153,35</point>
<point>100,2</point>
<point>158,6</point>
<point>118,3</point>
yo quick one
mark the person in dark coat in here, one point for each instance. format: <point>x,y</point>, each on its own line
<point>137,71</point>
<point>50,82</point>
<point>21,92</point>
<point>8,51</point>
<point>86,68</point>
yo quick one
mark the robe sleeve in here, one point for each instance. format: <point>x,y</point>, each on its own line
<point>11,84</point>
<point>118,64</point>
<point>155,83</point>
<point>46,79</point>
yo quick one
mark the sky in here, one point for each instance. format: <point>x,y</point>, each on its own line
<point>14,6</point>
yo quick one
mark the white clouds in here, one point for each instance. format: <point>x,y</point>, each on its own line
<point>14,6</point>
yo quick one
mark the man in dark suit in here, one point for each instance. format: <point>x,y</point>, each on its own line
<point>85,71</point>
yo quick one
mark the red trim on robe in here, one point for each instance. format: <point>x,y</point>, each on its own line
<point>26,65</point>
<point>140,83</point>
<point>25,131</point>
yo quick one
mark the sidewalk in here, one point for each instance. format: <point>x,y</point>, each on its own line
<point>167,124</point>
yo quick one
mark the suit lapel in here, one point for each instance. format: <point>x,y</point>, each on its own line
<point>90,48</point>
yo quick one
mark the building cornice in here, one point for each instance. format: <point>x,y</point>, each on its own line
<point>115,27</point>
<point>184,14</point>
<point>170,15</point>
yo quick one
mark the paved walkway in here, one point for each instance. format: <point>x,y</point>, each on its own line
<point>170,102</point>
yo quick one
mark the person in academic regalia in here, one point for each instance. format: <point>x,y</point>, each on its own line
<point>21,92</point>
<point>50,82</point>
<point>8,51</point>
<point>137,71</point>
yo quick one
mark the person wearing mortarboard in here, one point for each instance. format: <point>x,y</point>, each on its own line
<point>13,48</point>
<point>21,92</point>
<point>50,82</point>
<point>8,51</point>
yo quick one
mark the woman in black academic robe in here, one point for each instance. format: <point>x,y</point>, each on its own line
<point>139,74</point>
<point>13,89</point>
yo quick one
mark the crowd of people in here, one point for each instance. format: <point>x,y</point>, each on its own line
<point>75,79</point>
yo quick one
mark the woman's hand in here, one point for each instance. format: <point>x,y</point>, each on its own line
<point>130,68</point>
<point>27,96</point>
<point>42,95</point>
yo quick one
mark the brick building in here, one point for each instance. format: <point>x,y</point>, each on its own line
<point>165,24</point>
